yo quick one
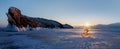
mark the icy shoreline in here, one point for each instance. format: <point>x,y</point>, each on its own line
<point>59,39</point>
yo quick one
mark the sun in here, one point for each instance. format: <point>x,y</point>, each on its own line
<point>87,24</point>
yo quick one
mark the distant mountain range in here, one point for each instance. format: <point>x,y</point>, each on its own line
<point>109,26</point>
<point>102,26</point>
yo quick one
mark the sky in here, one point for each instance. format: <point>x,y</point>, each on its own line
<point>73,12</point>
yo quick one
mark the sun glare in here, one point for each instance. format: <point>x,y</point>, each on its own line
<point>87,24</point>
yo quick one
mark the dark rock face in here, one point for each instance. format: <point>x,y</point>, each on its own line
<point>67,26</point>
<point>45,23</point>
<point>16,18</point>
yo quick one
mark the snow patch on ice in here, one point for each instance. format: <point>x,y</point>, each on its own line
<point>11,28</point>
<point>38,28</point>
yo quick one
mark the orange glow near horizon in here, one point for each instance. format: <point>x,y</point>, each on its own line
<point>87,24</point>
<point>81,23</point>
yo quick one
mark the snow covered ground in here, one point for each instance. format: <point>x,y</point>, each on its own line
<point>60,39</point>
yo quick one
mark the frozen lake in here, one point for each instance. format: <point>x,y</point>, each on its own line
<point>61,39</point>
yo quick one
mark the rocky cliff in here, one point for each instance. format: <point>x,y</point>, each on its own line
<point>45,23</point>
<point>16,18</point>
<point>67,26</point>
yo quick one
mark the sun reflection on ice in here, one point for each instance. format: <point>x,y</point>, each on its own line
<point>89,34</point>
<point>86,31</point>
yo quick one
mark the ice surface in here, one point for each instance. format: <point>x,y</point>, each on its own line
<point>60,39</point>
